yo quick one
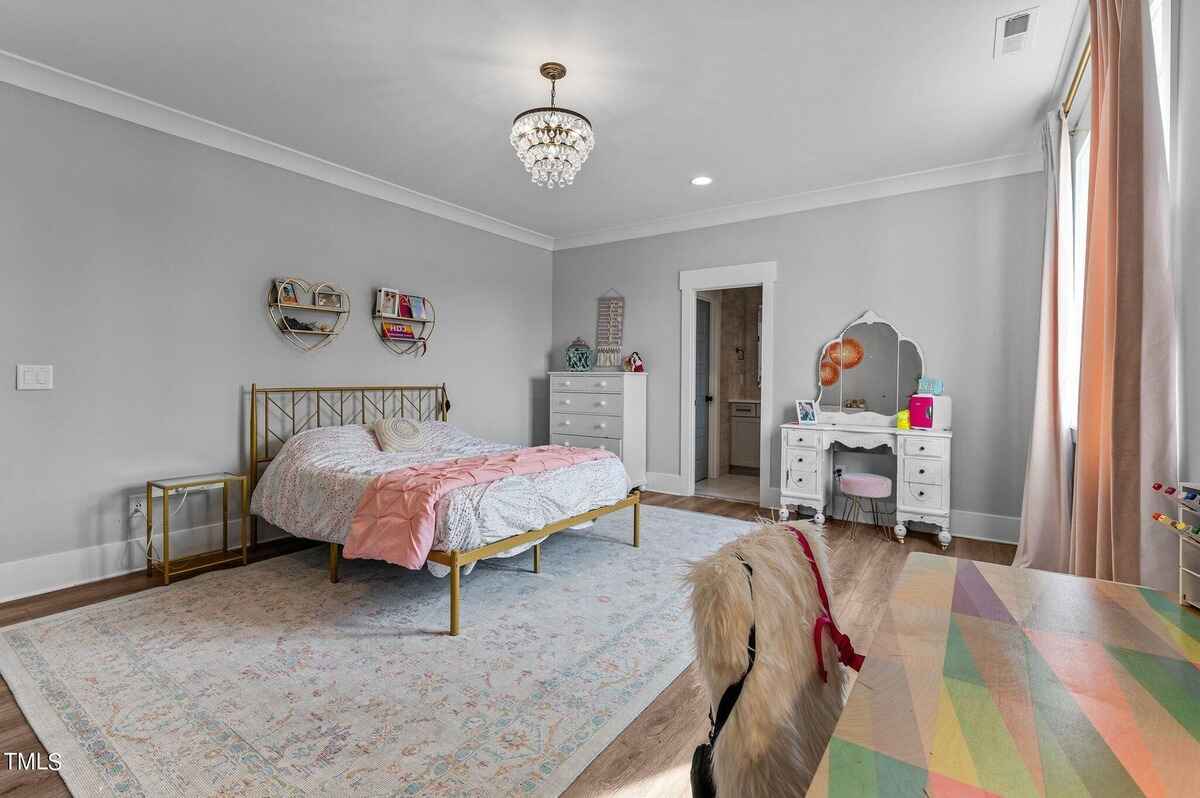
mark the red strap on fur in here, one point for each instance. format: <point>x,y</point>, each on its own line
<point>846,653</point>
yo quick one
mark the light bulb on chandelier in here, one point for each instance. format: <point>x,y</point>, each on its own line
<point>552,142</point>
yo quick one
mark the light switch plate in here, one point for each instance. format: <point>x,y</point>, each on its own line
<point>34,377</point>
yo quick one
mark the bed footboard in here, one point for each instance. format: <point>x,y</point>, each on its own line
<point>455,560</point>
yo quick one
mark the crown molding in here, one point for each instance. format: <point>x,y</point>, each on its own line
<point>43,79</point>
<point>67,87</point>
<point>942,177</point>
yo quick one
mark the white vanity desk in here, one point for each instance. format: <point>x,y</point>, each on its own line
<point>865,377</point>
<point>922,469</point>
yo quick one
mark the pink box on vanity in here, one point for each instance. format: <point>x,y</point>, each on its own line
<point>927,411</point>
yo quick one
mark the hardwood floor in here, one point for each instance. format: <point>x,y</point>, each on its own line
<point>652,756</point>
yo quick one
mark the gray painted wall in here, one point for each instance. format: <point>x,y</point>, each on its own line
<point>957,269</point>
<point>137,263</point>
<point>1188,175</point>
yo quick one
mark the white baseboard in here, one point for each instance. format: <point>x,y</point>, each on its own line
<point>984,526</point>
<point>50,572</point>
<point>667,483</point>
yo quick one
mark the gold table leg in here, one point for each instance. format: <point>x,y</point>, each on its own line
<point>224,517</point>
<point>166,544</point>
<point>537,558</point>
<point>245,514</point>
<point>334,550</point>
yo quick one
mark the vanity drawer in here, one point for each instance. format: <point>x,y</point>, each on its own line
<point>585,424</point>
<point>925,472</point>
<point>800,437</point>
<point>595,383</point>
<point>801,460</point>
<point>601,403</point>
<point>802,483</point>
<point>921,446</point>
<point>916,494</point>
<point>587,442</point>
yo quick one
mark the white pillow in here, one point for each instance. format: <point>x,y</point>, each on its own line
<point>397,434</point>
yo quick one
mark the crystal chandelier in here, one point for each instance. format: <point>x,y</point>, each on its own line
<point>552,142</point>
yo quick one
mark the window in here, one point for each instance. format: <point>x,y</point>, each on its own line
<point>1160,32</point>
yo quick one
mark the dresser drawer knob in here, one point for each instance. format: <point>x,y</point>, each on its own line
<point>566,401</point>
<point>566,422</point>
<point>567,383</point>
<point>603,383</point>
<point>920,493</point>
<point>920,448</point>
<point>921,471</point>
<point>602,403</point>
<point>601,426</point>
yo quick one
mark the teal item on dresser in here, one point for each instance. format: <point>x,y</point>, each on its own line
<point>580,356</point>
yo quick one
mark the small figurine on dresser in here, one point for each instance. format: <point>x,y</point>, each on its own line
<point>634,362</point>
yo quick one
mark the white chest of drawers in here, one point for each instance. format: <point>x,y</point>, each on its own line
<point>601,410</point>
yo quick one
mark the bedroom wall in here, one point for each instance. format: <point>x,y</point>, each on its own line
<point>958,269</point>
<point>136,263</point>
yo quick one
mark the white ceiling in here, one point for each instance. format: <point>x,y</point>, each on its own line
<point>769,98</point>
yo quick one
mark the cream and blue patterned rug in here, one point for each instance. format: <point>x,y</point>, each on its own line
<point>269,680</point>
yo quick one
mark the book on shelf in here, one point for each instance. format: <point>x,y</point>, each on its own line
<point>416,306</point>
<point>397,331</point>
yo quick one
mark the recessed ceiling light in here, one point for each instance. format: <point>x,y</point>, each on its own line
<point>702,180</point>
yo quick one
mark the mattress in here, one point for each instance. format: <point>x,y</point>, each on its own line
<point>313,485</point>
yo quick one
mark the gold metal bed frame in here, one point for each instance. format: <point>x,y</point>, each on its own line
<point>298,409</point>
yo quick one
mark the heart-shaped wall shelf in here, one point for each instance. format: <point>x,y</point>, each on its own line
<point>321,311</point>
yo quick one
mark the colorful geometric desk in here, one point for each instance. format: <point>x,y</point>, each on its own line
<point>989,680</point>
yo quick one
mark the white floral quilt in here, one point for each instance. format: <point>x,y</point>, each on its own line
<point>313,486</point>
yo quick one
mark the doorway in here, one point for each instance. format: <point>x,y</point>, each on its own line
<point>728,377</point>
<point>704,396</point>
<point>702,418</point>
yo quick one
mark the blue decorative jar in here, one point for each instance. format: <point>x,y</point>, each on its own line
<point>580,356</point>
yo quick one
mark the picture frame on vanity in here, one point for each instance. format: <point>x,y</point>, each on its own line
<point>806,411</point>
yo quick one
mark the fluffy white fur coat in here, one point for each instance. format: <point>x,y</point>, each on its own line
<point>783,719</point>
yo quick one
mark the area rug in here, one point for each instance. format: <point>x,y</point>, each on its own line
<point>269,680</point>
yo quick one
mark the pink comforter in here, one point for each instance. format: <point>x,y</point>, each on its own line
<point>395,518</point>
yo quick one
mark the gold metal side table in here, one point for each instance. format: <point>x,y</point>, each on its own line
<point>195,562</point>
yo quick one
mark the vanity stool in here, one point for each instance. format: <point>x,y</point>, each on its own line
<point>856,488</point>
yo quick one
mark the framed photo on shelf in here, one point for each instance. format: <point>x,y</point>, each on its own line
<point>417,305</point>
<point>806,411</point>
<point>285,293</point>
<point>326,298</point>
<point>387,302</point>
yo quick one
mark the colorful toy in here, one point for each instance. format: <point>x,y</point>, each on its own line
<point>902,420</point>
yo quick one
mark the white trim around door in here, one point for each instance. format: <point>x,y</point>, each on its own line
<point>691,282</point>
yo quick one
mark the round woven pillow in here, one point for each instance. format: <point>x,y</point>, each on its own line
<point>397,434</point>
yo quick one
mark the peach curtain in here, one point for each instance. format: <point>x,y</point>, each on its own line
<point>1046,507</point>
<point>1127,389</point>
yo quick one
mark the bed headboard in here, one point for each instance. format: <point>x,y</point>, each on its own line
<point>277,414</point>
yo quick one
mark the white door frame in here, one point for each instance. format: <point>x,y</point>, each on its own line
<point>713,298</point>
<point>692,281</point>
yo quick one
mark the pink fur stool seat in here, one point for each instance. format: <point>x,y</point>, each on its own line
<point>867,486</point>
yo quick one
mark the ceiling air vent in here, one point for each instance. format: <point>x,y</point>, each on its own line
<point>1014,32</point>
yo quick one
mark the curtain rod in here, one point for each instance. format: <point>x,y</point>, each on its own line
<point>1084,57</point>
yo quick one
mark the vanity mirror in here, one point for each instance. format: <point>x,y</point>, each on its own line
<point>867,373</point>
